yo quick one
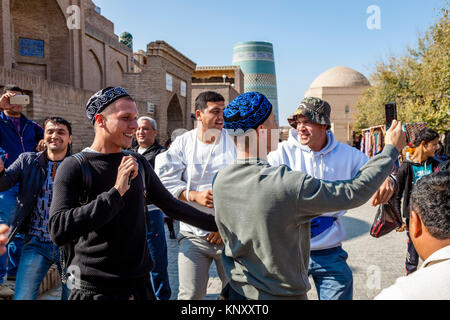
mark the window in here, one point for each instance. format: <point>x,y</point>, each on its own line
<point>347,109</point>
<point>183,88</point>
<point>168,82</point>
<point>150,107</point>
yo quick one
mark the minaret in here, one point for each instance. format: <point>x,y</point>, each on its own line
<point>257,62</point>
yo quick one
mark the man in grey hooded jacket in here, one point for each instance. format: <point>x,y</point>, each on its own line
<point>313,149</point>
<point>263,213</point>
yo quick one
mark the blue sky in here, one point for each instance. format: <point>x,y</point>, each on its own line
<point>309,37</point>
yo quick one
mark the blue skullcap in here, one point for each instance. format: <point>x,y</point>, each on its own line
<point>246,112</point>
<point>102,99</point>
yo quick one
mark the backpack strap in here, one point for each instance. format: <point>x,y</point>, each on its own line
<point>142,174</point>
<point>67,250</point>
<point>86,176</point>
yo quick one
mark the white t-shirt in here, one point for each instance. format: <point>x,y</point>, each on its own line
<point>190,164</point>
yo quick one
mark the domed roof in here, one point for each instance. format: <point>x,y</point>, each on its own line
<point>340,77</point>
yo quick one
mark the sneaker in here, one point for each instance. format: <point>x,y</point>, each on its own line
<point>6,293</point>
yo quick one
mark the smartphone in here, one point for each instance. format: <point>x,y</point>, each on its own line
<point>20,99</point>
<point>391,113</point>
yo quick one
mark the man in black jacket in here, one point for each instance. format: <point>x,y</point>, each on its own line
<point>105,235</point>
<point>156,236</point>
<point>35,172</point>
<point>411,171</point>
<point>18,134</point>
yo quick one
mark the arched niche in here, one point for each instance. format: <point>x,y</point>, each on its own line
<point>94,81</point>
<point>174,115</point>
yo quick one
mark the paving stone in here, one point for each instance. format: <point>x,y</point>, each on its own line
<point>376,263</point>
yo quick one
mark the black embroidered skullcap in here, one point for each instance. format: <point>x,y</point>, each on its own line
<point>102,99</point>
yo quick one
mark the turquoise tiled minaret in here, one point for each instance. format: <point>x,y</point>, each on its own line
<point>256,59</point>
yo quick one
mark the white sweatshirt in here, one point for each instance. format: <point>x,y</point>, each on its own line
<point>337,161</point>
<point>190,164</point>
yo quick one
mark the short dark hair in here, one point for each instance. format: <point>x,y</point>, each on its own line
<point>426,135</point>
<point>201,103</point>
<point>59,120</point>
<point>430,200</point>
<point>12,87</point>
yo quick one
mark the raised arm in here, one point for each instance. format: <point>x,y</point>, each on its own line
<point>318,196</point>
<point>9,177</point>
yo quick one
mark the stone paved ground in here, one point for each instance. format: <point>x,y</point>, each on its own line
<point>376,263</point>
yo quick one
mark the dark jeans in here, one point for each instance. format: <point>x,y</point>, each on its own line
<point>9,262</point>
<point>331,274</point>
<point>156,240</point>
<point>37,258</point>
<point>412,257</point>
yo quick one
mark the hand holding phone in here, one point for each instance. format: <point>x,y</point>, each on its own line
<point>391,113</point>
<point>20,99</point>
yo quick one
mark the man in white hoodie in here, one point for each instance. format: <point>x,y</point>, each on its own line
<point>313,149</point>
<point>187,170</point>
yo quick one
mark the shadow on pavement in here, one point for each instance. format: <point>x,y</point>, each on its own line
<point>354,227</point>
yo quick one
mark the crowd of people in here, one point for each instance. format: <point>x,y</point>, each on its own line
<point>243,201</point>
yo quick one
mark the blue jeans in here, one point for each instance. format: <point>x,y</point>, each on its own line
<point>8,200</point>
<point>156,240</point>
<point>37,258</point>
<point>331,274</point>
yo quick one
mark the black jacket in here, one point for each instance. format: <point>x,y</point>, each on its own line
<point>30,170</point>
<point>405,179</point>
<point>151,152</point>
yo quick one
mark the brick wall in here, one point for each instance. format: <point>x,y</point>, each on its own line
<point>55,99</point>
<point>30,20</point>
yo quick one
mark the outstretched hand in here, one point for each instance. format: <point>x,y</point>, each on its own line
<point>384,193</point>
<point>204,198</point>
<point>396,136</point>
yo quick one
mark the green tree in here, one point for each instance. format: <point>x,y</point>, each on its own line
<point>419,82</point>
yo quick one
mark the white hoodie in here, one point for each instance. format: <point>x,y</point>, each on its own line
<point>337,161</point>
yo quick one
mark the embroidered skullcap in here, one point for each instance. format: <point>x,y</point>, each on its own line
<point>102,99</point>
<point>246,112</point>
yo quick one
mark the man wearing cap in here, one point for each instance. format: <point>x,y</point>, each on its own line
<point>263,212</point>
<point>313,149</point>
<point>104,235</point>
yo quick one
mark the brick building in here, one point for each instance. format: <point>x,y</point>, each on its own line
<point>62,51</point>
<point>162,79</point>
<point>226,80</point>
<point>340,87</point>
